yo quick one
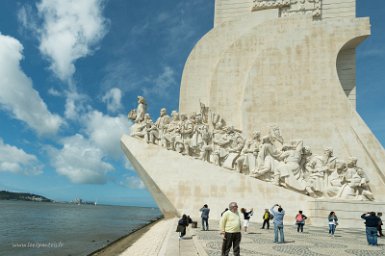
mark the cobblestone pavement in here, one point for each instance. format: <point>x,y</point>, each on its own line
<point>314,241</point>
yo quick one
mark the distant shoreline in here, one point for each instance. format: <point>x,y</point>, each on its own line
<point>22,196</point>
<point>121,244</point>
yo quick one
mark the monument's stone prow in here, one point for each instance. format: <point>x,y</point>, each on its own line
<point>266,67</point>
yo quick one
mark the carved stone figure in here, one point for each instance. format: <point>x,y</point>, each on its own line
<point>248,158</point>
<point>275,136</point>
<point>204,111</point>
<point>206,147</point>
<point>326,164</point>
<point>315,180</point>
<point>293,166</point>
<point>179,139</point>
<point>356,186</point>
<point>161,125</point>
<point>141,110</point>
<point>143,129</point>
<point>290,171</point>
<point>151,131</point>
<point>171,132</point>
<point>187,134</point>
<point>228,146</point>
<point>197,141</point>
<point>137,117</point>
<point>267,160</point>
<point>336,179</point>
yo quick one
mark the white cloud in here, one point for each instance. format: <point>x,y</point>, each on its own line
<point>113,99</point>
<point>17,94</point>
<point>71,29</point>
<point>81,161</point>
<point>106,131</point>
<point>75,106</point>
<point>13,159</point>
<point>162,83</point>
<point>54,92</point>
<point>132,182</point>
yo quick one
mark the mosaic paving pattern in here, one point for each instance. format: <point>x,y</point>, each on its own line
<point>374,252</point>
<point>314,241</point>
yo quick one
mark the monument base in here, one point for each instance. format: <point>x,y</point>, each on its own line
<point>182,185</point>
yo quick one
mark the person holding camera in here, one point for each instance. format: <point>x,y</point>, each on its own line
<point>205,217</point>
<point>278,223</point>
<point>371,223</point>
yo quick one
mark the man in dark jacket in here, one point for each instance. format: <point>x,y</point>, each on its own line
<point>371,222</point>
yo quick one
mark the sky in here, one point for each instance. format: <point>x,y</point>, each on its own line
<point>71,70</point>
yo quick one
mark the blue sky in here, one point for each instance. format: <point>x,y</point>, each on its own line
<point>69,73</point>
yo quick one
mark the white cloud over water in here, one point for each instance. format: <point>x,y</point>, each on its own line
<point>16,160</point>
<point>17,95</point>
<point>81,161</point>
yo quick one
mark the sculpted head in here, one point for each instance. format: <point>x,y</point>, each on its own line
<point>198,118</point>
<point>141,100</point>
<point>175,115</point>
<point>257,135</point>
<point>183,117</point>
<point>230,129</point>
<point>306,151</point>
<point>328,152</point>
<point>352,162</point>
<point>163,112</point>
<point>275,130</point>
<point>147,116</point>
<point>341,166</point>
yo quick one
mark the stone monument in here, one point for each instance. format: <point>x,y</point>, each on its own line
<point>266,115</point>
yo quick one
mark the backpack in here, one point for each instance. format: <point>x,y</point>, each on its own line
<point>271,216</point>
<point>299,218</point>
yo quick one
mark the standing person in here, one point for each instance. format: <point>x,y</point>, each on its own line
<point>333,222</point>
<point>226,209</point>
<point>230,226</point>
<point>246,217</point>
<point>278,223</point>
<point>300,221</point>
<point>371,223</point>
<point>379,215</point>
<point>266,219</point>
<point>205,217</point>
<point>182,225</point>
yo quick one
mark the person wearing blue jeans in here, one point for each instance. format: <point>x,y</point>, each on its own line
<point>278,223</point>
<point>333,222</point>
<point>371,223</point>
<point>205,217</point>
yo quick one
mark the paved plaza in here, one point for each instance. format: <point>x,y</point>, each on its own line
<point>314,241</point>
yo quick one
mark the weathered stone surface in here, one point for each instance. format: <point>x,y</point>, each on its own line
<point>265,63</point>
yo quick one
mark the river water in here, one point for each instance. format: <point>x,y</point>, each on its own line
<point>34,228</point>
